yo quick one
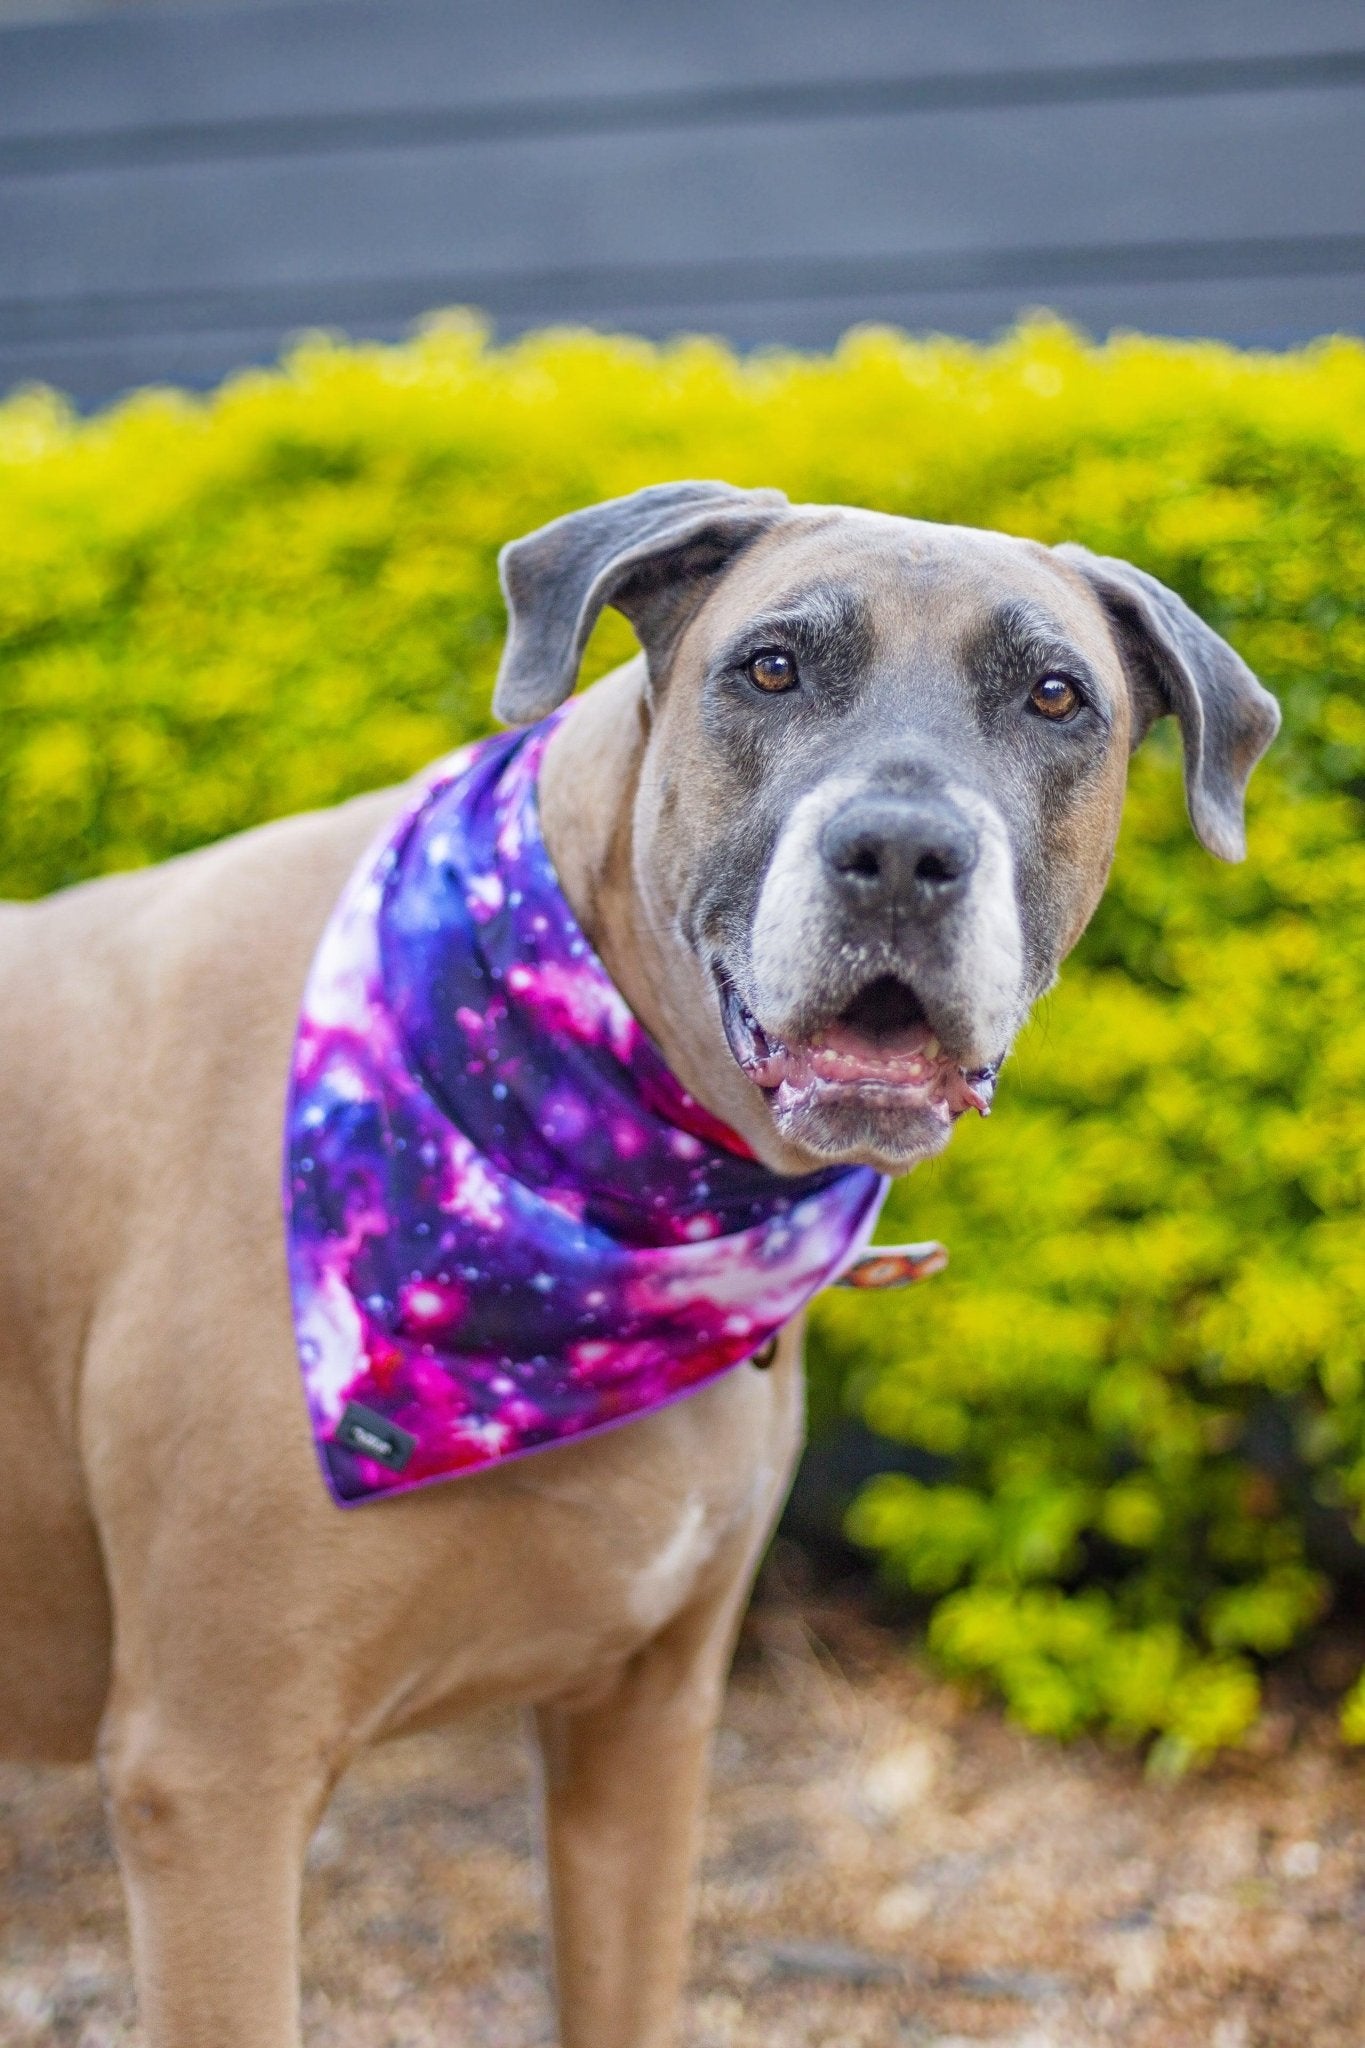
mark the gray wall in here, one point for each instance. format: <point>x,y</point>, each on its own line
<point>181,190</point>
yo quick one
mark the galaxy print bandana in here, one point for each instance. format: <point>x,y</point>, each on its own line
<point>508,1224</point>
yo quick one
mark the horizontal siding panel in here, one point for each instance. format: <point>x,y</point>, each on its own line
<point>343,132</point>
<point>1162,173</point>
<point>147,70</point>
<point>716,286</point>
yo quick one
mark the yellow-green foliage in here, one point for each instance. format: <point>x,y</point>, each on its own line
<point>1143,1378</point>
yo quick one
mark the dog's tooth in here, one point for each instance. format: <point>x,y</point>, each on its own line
<point>932,1049</point>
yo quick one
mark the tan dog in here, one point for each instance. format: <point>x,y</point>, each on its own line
<point>831,835</point>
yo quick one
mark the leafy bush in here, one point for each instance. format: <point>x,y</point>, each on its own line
<point>1142,1385</point>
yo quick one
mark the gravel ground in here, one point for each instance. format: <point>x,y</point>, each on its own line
<point>885,1864</point>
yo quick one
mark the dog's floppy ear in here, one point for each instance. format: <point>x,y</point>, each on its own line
<point>1177,664</point>
<point>636,553</point>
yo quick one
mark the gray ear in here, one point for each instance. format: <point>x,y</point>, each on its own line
<point>1178,664</point>
<point>632,552</point>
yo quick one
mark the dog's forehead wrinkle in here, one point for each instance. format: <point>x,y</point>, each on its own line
<point>827,605</point>
<point>1020,625</point>
<point>826,623</point>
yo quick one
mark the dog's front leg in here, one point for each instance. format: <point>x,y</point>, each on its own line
<point>625,1778</point>
<point>211,1838</point>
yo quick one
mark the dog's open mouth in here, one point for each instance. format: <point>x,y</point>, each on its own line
<point>880,1045</point>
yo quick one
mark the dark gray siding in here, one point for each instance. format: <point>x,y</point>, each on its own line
<point>178,192</point>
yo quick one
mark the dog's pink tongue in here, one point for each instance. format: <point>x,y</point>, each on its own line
<point>913,1061</point>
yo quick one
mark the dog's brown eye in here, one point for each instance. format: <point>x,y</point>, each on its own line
<point>771,670</point>
<point>1055,697</point>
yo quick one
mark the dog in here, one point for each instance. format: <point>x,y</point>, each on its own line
<point>831,833</point>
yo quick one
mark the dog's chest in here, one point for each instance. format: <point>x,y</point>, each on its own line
<point>570,1561</point>
<point>631,1529</point>
<point>656,1586</point>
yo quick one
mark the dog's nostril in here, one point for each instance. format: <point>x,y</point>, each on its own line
<point>860,860</point>
<point>941,864</point>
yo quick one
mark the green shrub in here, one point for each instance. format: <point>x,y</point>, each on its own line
<point>1142,1382</point>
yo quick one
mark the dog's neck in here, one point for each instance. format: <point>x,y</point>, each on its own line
<point>589,784</point>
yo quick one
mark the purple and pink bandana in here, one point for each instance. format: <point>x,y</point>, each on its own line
<point>508,1224</point>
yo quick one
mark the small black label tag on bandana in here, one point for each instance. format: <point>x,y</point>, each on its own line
<point>374,1436</point>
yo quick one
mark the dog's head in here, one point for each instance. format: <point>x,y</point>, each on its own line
<point>883,777</point>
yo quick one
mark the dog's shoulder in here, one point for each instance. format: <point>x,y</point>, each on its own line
<point>273,884</point>
<point>178,982</point>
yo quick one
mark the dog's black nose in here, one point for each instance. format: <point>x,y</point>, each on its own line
<point>890,851</point>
